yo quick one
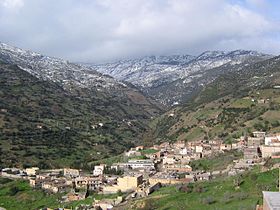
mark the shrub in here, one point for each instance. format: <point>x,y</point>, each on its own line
<point>237,181</point>
<point>187,188</point>
<point>253,177</point>
<point>208,200</point>
<point>227,197</point>
<point>241,196</point>
<point>13,191</point>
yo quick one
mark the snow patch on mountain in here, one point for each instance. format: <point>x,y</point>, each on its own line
<point>154,71</point>
<point>57,70</point>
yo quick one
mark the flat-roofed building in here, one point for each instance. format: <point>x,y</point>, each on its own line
<point>31,171</point>
<point>71,172</point>
<point>93,183</point>
<point>259,134</point>
<point>272,140</point>
<point>140,164</point>
<point>271,200</point>
<point>99,170</point>
<point>255,141</point>
<point>126,183</point>
<point>251,153</point>
<point>268,151</point>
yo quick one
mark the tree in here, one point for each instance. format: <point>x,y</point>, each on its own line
<point>237,181</point>
<point>13,191</point>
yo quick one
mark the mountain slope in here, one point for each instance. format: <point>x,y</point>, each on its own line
<point>174,79</point>
<point>56,113</point>
<point>232,105</point>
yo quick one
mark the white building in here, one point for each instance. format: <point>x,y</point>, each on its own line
<point>198,149</point>
<point>272,140</point>
<point>131,153</point>
<point>31,171</point>
<point>98,170</point>
<point>71,172</point>
<point>140,164</point>
<point>169,160</point>
<point>259,134</point>
<point>271,200</point>
<point>183,151</point>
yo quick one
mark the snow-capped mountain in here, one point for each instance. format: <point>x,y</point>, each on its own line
<point>57,70</point>
<point>76,78</point>
<point>157,75</point>
<point>168,79</point>
<point>146,71</point>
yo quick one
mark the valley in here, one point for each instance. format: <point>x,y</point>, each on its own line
<point>78,135</point>
<point>54,120</point>
<point>139,105</point>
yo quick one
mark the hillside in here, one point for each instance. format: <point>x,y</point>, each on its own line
<point>50,123</point>
<point>220,193</point>
<point>175,79</point>
<point>234,104</point>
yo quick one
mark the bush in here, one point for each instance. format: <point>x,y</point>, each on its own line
<point>5,180</point>
<point>208,200</point>
<point>13,190</point>
<point>241,196</point>
<point>237,181</point>
<point>227,197</point>
<point>188,188</point>
<point>199,189</point>
<point>253,177</point>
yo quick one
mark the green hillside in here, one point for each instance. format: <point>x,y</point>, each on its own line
<point>238,192</point>
<point>234,104</point>
<point>18,194</point>
<point>43,124</point>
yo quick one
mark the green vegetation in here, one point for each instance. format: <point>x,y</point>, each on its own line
<point>234,104</point>
<point>226,118</point>
<point>108,161</point>
<point>141,157</point>
<point>242,103</point>
<point>219,162</point>
<point>195,133</point>
<point>148,151</point>
<point>238,192</point>
<point>43,124</point>
<point>19,195</point>
<point>89,200</point>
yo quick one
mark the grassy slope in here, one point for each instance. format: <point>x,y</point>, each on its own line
<point>27,198</point>
<point>30,102</point>
<point>217,194</point>
<point>219,162</point>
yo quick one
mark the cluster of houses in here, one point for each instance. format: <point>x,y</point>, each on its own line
<point>261,145</point>
<point>147,169</point>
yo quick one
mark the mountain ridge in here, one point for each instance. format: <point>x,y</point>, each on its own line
<point>234,104</point>
<point>155,77</point>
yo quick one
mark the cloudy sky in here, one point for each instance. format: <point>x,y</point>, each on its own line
<point>107,30</point>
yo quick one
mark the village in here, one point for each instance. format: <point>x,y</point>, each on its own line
<point>146,169</point>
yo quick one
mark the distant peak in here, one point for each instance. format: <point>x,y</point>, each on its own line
<point>239,52</point>
<point>7,47</point>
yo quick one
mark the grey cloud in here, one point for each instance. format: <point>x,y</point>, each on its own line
<point>105,30</point>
